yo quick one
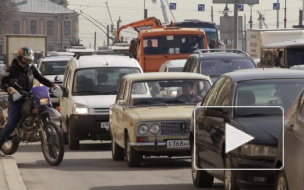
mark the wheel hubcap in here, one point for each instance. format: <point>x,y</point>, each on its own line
<point>194,171</point>
<point>281,184</point>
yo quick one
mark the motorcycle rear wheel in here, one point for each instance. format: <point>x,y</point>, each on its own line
<point>52,144</point>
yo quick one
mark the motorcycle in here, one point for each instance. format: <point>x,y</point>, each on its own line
<point>39,122</point>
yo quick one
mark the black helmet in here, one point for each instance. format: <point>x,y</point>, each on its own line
<point>27,54</point>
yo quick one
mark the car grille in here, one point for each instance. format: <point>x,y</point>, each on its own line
<point>175,127</point>
<point>101,110</point>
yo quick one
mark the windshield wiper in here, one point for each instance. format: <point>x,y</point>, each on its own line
<point>174,101</point>
<point>109,92</point>
<point>253,115</point>
<point>149,102</point>
<point>86,92</point>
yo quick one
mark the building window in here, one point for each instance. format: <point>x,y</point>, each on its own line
<point>50,28</point>
<point>16,27</point>
<point>33,27</point>
<point>67,28</point>
<point>50,48</point>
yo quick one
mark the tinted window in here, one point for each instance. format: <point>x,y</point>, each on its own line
<point>53,67</point>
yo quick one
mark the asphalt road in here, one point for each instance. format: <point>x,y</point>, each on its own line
<point>92,168</point>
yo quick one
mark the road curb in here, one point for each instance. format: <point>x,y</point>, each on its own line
<point>12,177</point>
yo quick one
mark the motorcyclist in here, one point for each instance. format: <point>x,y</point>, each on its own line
<point>24,71</point>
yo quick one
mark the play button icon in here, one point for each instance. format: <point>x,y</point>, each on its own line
<point>235,138</point>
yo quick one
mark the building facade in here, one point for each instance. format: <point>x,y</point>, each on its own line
<point>58,23</point>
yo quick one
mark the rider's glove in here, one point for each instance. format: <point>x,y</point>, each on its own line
<point>15,94</point>
<point>56,91</point>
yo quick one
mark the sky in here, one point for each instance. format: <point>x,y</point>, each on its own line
<point>133,10</point>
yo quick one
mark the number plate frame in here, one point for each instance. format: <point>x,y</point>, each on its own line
<point>178,144</point>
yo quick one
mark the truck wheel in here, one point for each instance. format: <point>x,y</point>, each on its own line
<point>134,157</point>
<point>117,151</point>
<point>200,178</point>
<point>73,144</point>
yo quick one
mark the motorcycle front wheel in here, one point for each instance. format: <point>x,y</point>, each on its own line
<point>52,144</point>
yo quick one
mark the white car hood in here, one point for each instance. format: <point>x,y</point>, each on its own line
<point>96,101</point>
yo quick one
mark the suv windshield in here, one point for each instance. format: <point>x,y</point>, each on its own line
<point>168,92</point>
<point>217,67</point>
<point>100,80</point>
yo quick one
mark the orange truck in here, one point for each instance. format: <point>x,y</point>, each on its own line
<point>156,44</point>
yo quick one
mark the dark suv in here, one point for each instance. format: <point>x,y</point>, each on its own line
<point>215,62</point>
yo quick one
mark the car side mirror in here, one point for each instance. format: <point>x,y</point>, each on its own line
<point>58,78</point>
<point>121,102</point>
<point>65,92</point>
<point>216,111</point>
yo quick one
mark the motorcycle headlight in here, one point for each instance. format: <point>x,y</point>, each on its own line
<point>143,129</point>
<point>258,150</point>
<point>44,101</point>
<point>80,109</point>
<point>154,128</point>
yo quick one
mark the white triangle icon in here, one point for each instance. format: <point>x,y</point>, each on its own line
<point>235,138</point>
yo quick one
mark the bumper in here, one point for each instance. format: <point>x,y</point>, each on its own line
<point>88,127</point>
<point>254,178</point>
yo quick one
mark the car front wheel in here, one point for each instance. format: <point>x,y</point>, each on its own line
<point>117,151</point>
<point>282,181</point>
<point>134,157</point>
<point>200,178</point>
<point>230,175</point>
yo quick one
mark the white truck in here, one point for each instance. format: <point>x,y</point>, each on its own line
<point>256,38</point>
<point>13,42</point>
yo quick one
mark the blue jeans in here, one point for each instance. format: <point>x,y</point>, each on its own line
<point>14,116</point>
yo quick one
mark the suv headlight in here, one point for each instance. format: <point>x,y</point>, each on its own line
<point>143,129</point>
<point>258,150</point>
<point>80,109</point>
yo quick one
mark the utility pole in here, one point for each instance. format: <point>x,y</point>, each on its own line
<point>235,41</point>
<point>260,19</point>
<point>211,13</point>
<point>250,20</point>
<point>285,20</point>
<point>278,25</point>
<point>95,41</point>
<point>145,10</point>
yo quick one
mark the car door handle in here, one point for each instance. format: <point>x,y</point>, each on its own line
<point>290,127</point>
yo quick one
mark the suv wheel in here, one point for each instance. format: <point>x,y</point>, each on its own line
<point>230,175</point>
<point>73,144</point>
<point>134,157</point>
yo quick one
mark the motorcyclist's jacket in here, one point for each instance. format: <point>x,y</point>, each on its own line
<point>25,77</point>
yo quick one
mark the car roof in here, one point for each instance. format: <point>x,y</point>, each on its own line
<point>57,58</point>
<point>221,55</point>
<point>264,73</point>
<point>164,75</point>
<point>88,61</point>
<point>176,63</point>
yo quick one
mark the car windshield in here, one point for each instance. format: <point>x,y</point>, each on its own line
<point>53,67</point>
<point>266,92</point>
<point>168,92</point>
<point>100,80</point>
<point>217,67</point>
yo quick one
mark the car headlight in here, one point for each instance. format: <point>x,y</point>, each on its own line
<point>44,101</point>
<point>80,109</point>
<point>143,129</point>
<point>258,150</point>
<point>154,128</point>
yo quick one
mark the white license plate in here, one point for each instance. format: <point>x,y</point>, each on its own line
<point>104,125</point>
<point>178,144</point>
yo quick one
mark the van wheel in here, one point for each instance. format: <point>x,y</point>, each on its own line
<point>73,144</point>
<point>134,157</point>
<point>200,178</point>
